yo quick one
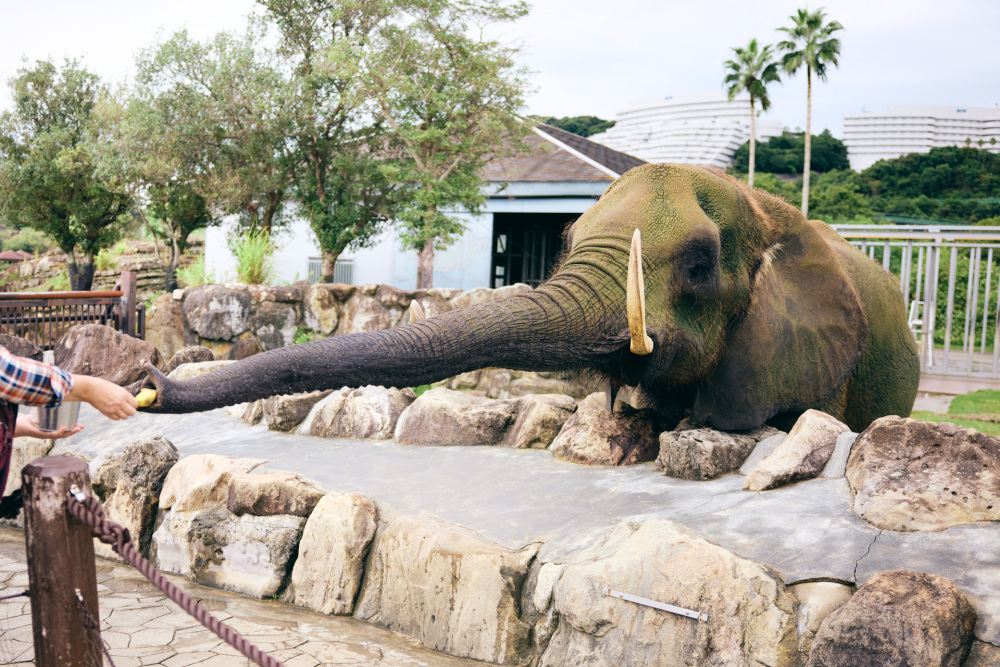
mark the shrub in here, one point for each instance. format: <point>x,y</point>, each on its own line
<point>29,240</point>
<point>254,258</point>
<point>194,275</point>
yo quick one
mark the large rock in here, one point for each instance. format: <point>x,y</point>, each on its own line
<point>525,386</point>
<point>193,354</point>
<point>363,313</point>
<point>914,475</point>
<point>597,437</point>
<point>100,351</point>
<point>485,295</point>
<point>271,494</point>
<point>701,454</point>
<point>394,297</point>
<point>322,308</point>
<point>243,348</point>
<point>21,347</point>
<point>135,501</point>
<point>802,455</point>
<point>330,565</point>
<point>217,313</point>
<point>277,293</point>
<point>274,324</point>
<point>445,417</point>
<point>449,588</point>
<point>539,420</point>
<point>751,615</point>
<point>982,654</point>
<point>817,599</point>
<point>365,412</point>
<point>104,471</point>
<point>197,369</point>
<point>201,481</point>
<point>25,450</point>
<point>283,413</point>
<point>897,619</point>
<point>165,326</point>
<point>246,554</point>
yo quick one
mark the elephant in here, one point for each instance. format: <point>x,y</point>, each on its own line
<point>716,301</point>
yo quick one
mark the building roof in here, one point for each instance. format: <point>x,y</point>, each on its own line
<point>14,256</point>
<point>557,155</point>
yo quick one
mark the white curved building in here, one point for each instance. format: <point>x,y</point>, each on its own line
<point>902,130</point>
<point>698,128</point>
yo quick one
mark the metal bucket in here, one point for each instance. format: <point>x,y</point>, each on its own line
<point>50,418</point>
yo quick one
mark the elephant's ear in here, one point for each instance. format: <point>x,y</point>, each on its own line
<point>798,341</point>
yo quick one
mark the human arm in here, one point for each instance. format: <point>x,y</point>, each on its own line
<point>27,427</point>
<point>112,401</point>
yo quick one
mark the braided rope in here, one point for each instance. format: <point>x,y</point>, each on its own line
<point>91,513</point>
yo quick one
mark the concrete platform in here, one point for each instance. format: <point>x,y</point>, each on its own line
<point>806,531</point>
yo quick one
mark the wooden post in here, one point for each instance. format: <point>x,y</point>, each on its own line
<point>128,303</point>
<point>60,563</point>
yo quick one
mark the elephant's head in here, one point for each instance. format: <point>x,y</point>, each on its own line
<point>749,312</point>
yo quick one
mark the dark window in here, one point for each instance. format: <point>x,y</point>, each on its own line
<point>526,246</point>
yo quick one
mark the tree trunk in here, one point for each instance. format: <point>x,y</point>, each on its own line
<point>806,166</point>
<point>274,198</point>
<point>81,276</point>
<point>170,277</point>
<point>753,140</point>
<point>425,266</point>
<point>329,263</point>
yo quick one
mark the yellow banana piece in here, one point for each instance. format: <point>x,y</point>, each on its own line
<point>146,397</point>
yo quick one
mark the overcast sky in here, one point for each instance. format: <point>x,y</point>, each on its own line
<point>597,56</point>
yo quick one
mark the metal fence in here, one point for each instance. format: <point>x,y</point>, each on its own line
<point>343,270</point>
<point>949,285</point>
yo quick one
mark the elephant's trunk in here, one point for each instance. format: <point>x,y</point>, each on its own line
<point>561,325</point>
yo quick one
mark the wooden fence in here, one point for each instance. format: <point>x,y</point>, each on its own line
<point>43,317</point>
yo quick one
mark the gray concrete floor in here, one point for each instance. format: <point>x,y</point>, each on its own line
<point>805,531</point>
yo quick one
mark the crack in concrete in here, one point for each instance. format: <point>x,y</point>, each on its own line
<point>867,551</point>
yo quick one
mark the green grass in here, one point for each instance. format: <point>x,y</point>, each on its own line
<point>983,427</point>
<point>976,403</point>
<point>304,335</point>
<point>194,275</point>
<point>421,389</point>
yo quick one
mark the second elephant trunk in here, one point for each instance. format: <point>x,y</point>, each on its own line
<point>561,325</point>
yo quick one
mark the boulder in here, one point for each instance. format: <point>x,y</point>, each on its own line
<point>479,295</point>
<point>802,455</point>
<point>283,413</point>
<point>201,481</point>
<point>135,501</point>
<point>816,600</point>
<point>597,437</point>
<point>365,412</point>
<point>21,347</point>
<point>248,554</point>
<point>525,386</point>
<point>100,351</point>
<point>104,471</point>
<point>24,451</point>
<point>253,412</point>
<point>837,465</point>
<point>914,475</point>
<point>982,654</point>
<point>196,369</point>
<point>394,297</point>
<point>496,383</point>
<point>330,565</point>
<point>322,308</point>
<point>274,324</point>
<point>445,417</point>
<point>449,588</point>
<point>217,313</point>
<point>432,307</point>
<point>763,449</point>
<point>271,494</point>
<point>165,327</point>
<point>751,615</point>
<point>898,618</point>
<point>192,354</point>
<point>278,293</point>
<point>363,313</point>
<point>244,347</point>
<point>701,454</point>
<point>539,420</point>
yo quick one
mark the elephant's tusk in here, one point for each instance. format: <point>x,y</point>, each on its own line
<point>416,312</point>
<point>635,301</point>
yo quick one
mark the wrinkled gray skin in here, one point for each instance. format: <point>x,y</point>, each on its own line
<point>756,314</point>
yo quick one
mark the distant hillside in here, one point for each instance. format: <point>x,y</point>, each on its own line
<point>584,126</point>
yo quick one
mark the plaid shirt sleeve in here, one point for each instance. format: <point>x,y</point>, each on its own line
<point>25,381</point>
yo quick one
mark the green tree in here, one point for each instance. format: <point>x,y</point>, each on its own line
<point>784,154</point>
<point>585,126</point>
<point>810,43</point>
<point>342,185</point>
<point>453,98</point>
<point>219,113</point>
<point>750,72</point>
<point>52,175</point>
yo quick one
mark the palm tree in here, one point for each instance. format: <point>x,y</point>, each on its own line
<point>751,71</point>
<point>809,43</point>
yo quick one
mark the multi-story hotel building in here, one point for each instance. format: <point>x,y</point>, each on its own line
<point>901,130</point>
<point>698,128</point>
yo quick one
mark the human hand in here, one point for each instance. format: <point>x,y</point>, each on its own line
<point>27,427</point>
<point>112,401</point>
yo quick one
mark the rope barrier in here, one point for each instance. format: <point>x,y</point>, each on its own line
<point>88,510</point>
